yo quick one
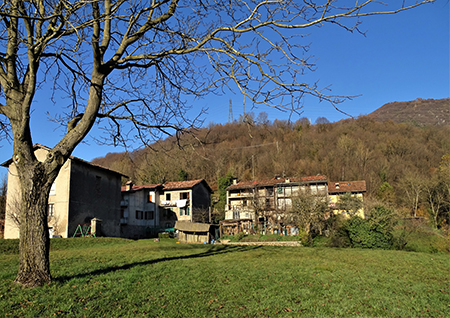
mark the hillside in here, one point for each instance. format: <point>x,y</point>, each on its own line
<point>421,112</point>
<point>357,149</point>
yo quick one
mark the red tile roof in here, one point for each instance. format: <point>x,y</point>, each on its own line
<point>185,184</point>
<point>275,181</point>
<point>346,186</point>
<point>177,185</point>
<point>137,188</point>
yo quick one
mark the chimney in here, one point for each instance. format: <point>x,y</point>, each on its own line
<point>337,185</point>
<point>234,180</point>
<point>129,185</point>
<point>287,180</point>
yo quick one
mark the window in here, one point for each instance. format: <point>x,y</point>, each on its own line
<point>150,197</point>
<point>184,211</point>
<point>184,195</point>
<point>148,215</point>
<point>139,215</point>
<point>53,189</point>
<point>122,213</point>
<point>168,197</point>
<point>51,210</point>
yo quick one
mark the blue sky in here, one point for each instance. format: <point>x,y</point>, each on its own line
<point>402,57</point>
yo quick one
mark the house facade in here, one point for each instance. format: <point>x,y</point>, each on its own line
<point>337,189</point>
<point>264,203</point>
<point>139,210</point>
<point>188,200</point>
<point>149,209</point>
<point>81,192</point>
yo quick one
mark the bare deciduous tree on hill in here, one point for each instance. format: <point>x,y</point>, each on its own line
<point>136,61</point>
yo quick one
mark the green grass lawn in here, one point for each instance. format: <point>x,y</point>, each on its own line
<point>104,277</point>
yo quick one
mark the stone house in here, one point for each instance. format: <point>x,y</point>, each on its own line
<point>139,210</point>
<point>189,200</point>
<point>265,202</point>
<point>149,209</point>
<point>81,192</point>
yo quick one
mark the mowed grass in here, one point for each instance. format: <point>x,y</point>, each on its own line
<point>104,277</point>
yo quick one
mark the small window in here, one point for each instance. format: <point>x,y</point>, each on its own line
<point>187,210</point>
<point>184,195</point>
<point>139,215</point>
<point>51,210</point>
<point>150,197</point>
<point>168,197</point>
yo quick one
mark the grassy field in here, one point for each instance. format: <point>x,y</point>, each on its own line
<point>104,277</point>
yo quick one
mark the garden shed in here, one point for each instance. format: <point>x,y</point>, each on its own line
<point>197,233</point>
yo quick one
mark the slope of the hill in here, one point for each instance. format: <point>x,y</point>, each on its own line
<point>359,149</point>
<point>421,112</point>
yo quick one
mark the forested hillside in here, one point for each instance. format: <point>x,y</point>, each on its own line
<point>391,157</point>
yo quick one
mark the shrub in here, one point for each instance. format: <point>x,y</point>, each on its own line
<point>239,236</point>
<point>338,233</point>
<point>365,234</point>
<point>163,235</point>
<point>375,232</point>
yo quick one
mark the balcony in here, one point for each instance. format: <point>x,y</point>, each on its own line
<point>236,215</point>
<point>174,203</point>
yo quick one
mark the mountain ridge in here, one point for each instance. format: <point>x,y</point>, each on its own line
<point>420,112</point>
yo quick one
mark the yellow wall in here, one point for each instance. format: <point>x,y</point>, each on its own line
<point>334,198</point>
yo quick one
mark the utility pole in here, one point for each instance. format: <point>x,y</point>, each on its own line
<point>253,166</point>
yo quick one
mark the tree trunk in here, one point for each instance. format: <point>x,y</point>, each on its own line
<point>34,267</point>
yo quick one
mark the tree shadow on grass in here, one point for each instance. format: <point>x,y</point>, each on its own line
<point>215,250</point>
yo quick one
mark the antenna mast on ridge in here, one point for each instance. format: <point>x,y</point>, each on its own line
<point>230,113</point>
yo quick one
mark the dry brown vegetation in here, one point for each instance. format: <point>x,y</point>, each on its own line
<point>358,149</point>
<point>421,112</point>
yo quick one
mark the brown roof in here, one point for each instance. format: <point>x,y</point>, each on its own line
<point>177,185</point>
<point>187,226</point>
<point>137,188</point>
<point>347,186</point>
<point>275,181</point>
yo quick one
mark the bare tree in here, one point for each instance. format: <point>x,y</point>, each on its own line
<point>413,186</point>
<point>436,198</point>
<point>136,61</point>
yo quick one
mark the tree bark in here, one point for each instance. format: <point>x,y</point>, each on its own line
<point>34,268</point>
